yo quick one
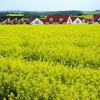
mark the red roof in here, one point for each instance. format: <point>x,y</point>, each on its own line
<point>88,20</point>
<point>81,18</point>
<point>73,18</point>
<point>96,17</point>
<point>43,20</point>
<point>57,17</point>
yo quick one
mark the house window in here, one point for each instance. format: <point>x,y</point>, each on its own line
<point>51,20</point>
<point>69,21</point>
<point>36,22</point>
<point>60,20</point>
<point>77,21</point>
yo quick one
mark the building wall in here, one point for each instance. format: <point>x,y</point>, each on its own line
<point>77,21</point>
<point>46,22</point>
<point>36,21</point>
<point>55,22</point>
<point>69,21</point>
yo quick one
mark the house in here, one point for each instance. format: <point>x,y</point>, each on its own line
<point>89,20</point>
<point>56,19</point>
<point>11,20</point>
<point>73,18</point>
<point>36,21</point>
<point>3,19</point>
<point>63,19</point>
<point>82,19</point>
<point>50,19</point>
<point>69,20</point>
<point>96,18</point>
<point>78,20</point>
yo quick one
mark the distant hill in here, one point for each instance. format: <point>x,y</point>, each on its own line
<point>46,13</point>
<point>91,12</point>
<point>97,12</point>
<point>39,14</point>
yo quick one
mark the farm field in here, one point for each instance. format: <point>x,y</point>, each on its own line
<point>50,62</point>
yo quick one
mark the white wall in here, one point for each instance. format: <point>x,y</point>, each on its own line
<point>69,20</point>
<point>36,21</point>
<point>77,21</point>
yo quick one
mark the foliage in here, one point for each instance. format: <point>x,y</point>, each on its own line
<point>39,14</point>
<point>15,14</point>
<point>49,62</point>
<point>86,16</point>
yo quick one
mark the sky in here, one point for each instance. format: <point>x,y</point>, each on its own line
<point>49,5</point>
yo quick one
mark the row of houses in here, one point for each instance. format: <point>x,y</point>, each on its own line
<point>51,19</point>
<point>12,20</point>
<point>61,19</point>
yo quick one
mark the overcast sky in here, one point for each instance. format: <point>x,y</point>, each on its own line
<point>49,5</point>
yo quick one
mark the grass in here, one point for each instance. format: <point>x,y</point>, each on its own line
<point>87,16</point>
<point>15,14</point>
<point>50,62</point>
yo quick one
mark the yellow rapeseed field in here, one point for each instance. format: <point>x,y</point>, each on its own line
<point>50,62</point>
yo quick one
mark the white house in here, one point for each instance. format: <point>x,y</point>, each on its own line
<point>36,21</point>
<point>69,20</point>
<point>78,21</point>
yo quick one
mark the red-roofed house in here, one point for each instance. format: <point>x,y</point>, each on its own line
<point>78,20</point>
<point>60,19</point>
<point>73,18</point>
<point>88,20</point>
<point>56,19</point>
<point>63,19</point>
<point>96,18</point>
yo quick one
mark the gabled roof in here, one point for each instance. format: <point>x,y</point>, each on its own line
<point>96,17</point>
<point>36,21</point>
<point>73,18</point>
<point>88,20</point>
<point>81,18</point>
<point>43,20</point>
<point>57,17</point>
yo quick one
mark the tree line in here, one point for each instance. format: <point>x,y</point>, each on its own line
<point>42,13</point>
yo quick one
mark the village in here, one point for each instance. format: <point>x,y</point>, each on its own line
<point>50,19</point>
<point>49,50</point>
